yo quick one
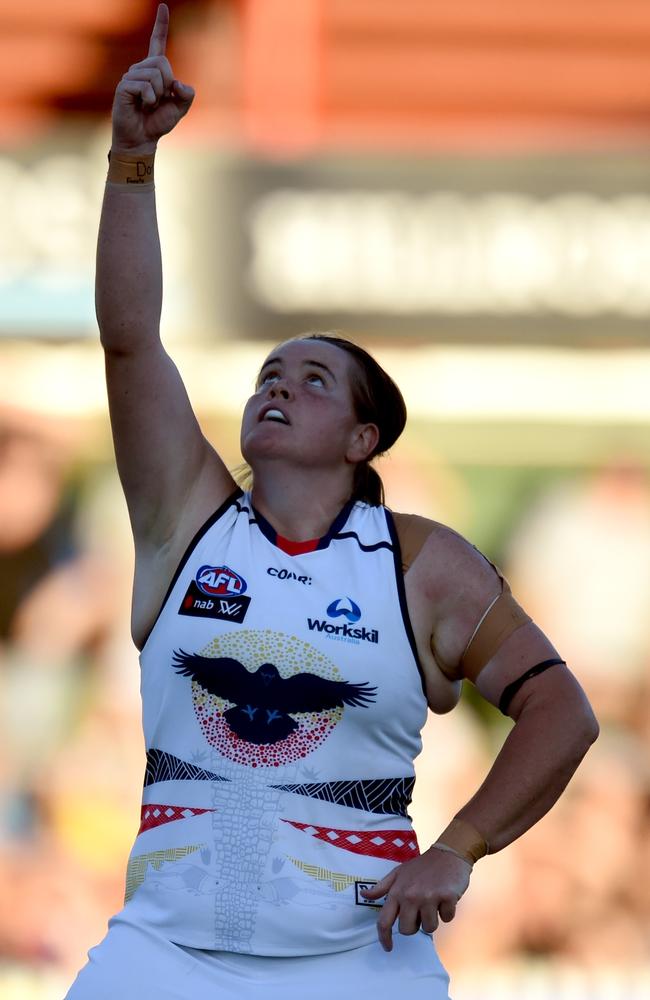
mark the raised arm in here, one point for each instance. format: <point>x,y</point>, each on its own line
<point>163,459</point>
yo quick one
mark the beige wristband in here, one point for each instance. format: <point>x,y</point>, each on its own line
<point>464,840</point>
<point>127,168</point>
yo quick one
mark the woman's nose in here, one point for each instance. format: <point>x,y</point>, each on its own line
<point>279,388</point>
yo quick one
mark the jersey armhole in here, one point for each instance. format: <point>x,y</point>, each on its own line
<point>212,519</point>
<point>401,591</point>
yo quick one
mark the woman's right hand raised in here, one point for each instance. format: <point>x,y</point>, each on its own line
<point>149,102</point>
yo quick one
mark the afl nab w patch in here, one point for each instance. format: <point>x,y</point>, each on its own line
<point>216,592</point>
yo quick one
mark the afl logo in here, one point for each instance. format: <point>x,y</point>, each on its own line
<point>344,606</point>
<point>220,581</point>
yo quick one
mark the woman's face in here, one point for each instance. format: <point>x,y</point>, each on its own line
<point>303,408</point>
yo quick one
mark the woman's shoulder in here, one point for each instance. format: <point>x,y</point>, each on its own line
<point>418,534</point>
<point>450,585</point>
<point>413,532</point>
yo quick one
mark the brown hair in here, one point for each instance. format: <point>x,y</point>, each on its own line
<point>377,400</point>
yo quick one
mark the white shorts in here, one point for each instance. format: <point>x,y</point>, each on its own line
<point>135,963</point>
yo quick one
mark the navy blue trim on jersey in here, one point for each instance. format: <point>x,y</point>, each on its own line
<point>401,590</point>
<point>219,512</point>
<point>364,548</point>
<point>271,534</point>
<point>241,509</point>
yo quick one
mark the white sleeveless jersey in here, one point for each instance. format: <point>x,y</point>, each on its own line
<point>282,705</point>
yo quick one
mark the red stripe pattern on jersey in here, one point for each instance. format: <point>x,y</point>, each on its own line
<point>155,814</point>
<point>392,845</point>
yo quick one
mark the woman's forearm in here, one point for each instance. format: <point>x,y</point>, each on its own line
<point>552,734</point>
<point>128,289</point>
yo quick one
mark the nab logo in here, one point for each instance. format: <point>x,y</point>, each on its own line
<point>217,581</point>
<point>344,606</point>
<point>198,605</point>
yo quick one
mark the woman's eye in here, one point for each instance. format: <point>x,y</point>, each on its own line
<point>315,379</point>
<point>268,377</point>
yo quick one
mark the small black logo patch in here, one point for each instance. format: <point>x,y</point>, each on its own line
<point>362,901</point>
<point>199,605</point>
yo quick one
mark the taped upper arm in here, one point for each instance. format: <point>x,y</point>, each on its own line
<point>478,630</point>
<point>501,618</point>
<point>523,649</point>
<point>506,650</point>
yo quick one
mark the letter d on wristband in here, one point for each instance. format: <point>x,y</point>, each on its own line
<point>131,169</point>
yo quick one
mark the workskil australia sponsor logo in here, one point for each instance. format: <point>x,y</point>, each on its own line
<point>216,592</point>
<point>343,607</point>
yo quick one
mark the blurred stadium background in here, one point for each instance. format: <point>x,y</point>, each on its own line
<point>463,187</point>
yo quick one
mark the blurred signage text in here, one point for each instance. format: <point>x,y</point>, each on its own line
<point>472,251</point>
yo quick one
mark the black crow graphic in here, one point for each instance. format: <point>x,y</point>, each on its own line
<point>263,699</point>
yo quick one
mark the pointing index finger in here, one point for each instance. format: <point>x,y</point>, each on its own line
<point>158,39</point>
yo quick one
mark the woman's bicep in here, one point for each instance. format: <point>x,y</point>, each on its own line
<point>526,654</point>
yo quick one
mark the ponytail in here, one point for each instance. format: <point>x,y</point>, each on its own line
<point>377,400</point>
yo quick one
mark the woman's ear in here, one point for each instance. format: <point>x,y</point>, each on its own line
<point>363,444</point>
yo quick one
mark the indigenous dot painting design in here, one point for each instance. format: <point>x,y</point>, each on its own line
<point>290,656</point>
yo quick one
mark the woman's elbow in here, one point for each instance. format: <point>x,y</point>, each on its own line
<point>581,722</point>
<point>590,727</point>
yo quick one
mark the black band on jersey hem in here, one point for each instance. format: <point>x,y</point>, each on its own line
<point>228,502</point>
<point>511,689</point>
<point>401,590</point>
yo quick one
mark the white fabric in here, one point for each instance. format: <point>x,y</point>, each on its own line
<point>254,846</point>
<point>138,963</point>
